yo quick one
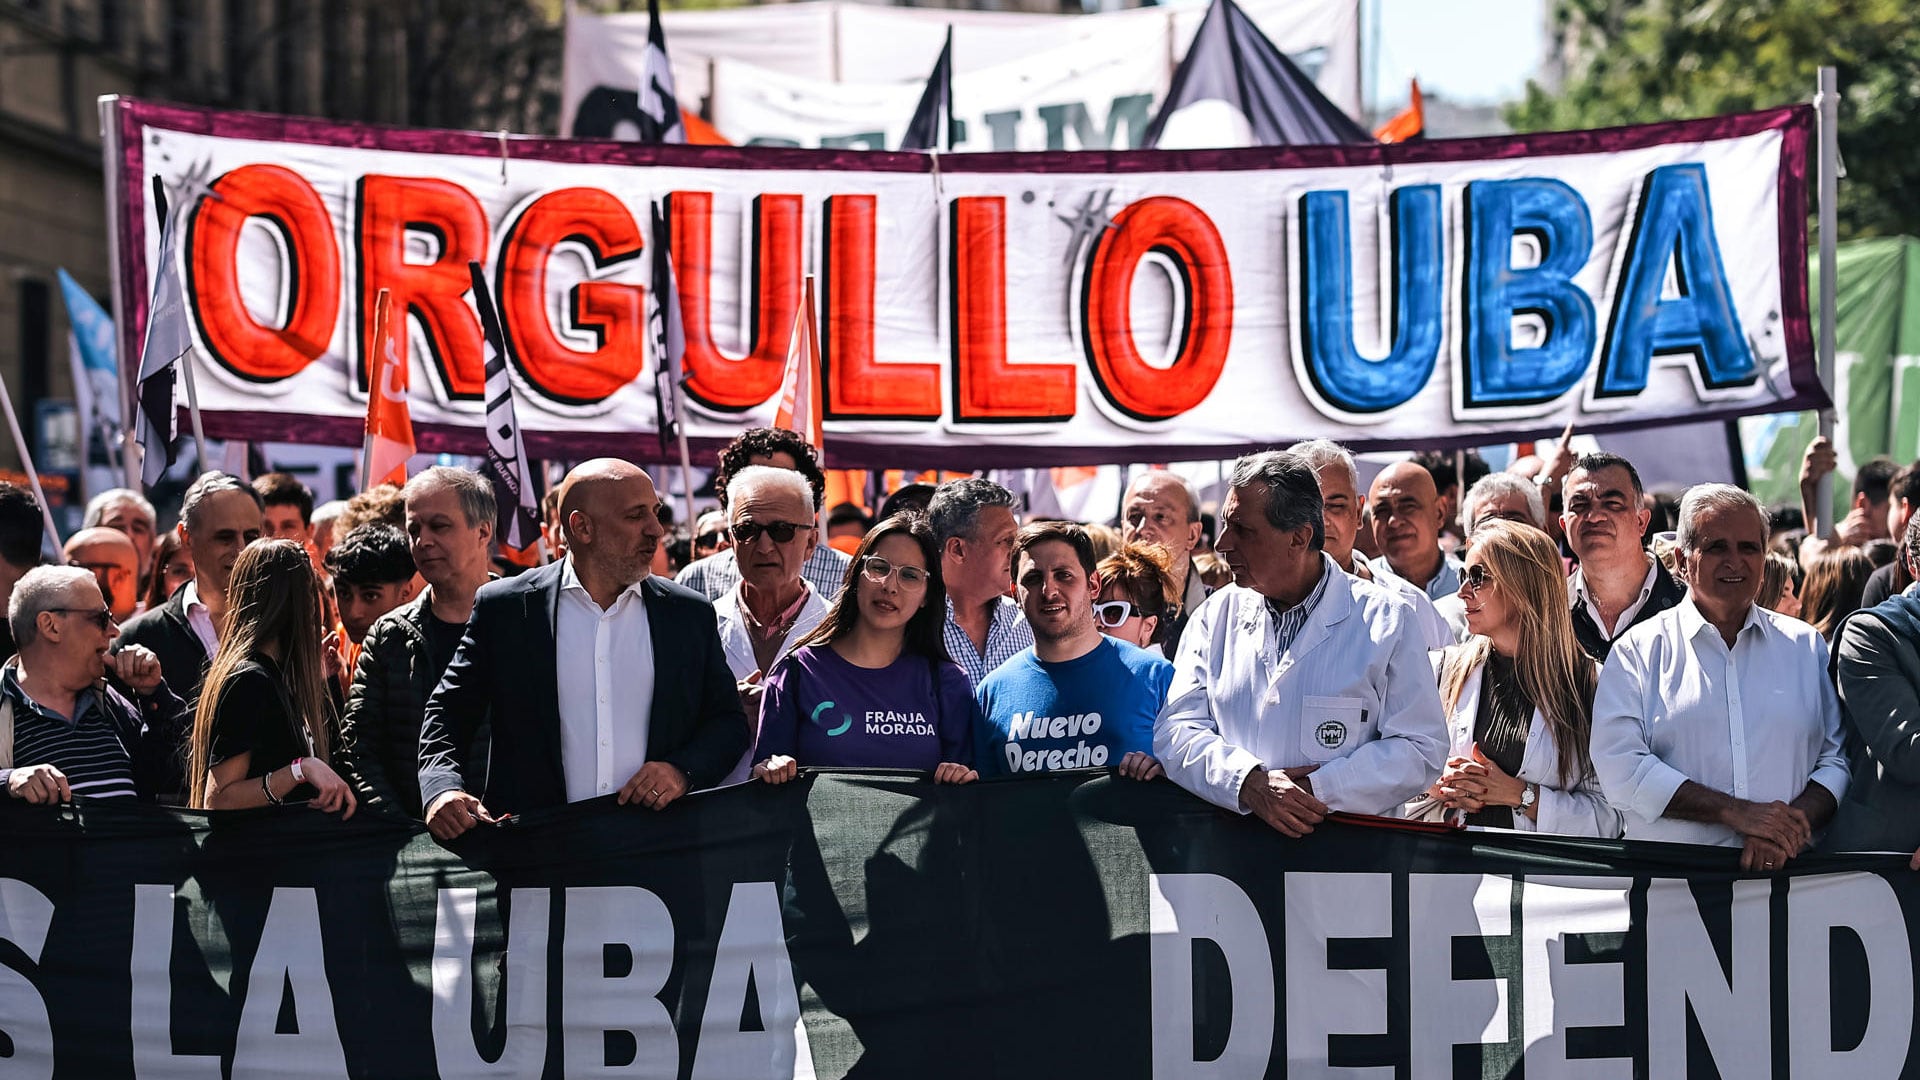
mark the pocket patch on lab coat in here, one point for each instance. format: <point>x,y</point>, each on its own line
<point>1331,726</point>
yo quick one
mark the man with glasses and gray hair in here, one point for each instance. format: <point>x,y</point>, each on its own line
<point>65,731</point>
<point>1299,689</point>
<point>1714,721</point>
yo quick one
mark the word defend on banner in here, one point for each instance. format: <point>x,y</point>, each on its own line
<point>846,925</point>
<point>1010,310</point>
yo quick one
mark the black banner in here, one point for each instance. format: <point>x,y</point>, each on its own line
<point>874,925</point>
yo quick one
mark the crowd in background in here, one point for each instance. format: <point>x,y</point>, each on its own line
<point>1550,647</point>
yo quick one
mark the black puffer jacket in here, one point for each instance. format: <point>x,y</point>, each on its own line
<point>380,731</point>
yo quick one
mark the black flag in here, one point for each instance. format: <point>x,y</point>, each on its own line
<point>517,504</point>
<point>659,105</point>
<point>936,104</point>
<point>1231,61</point>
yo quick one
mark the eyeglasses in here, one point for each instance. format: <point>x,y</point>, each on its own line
<point>1476,577</point>
<point>710,539</point>
<point>1115,613</point>
<point>746,532</point>
<point>100,617</point>
<point>878,570</point>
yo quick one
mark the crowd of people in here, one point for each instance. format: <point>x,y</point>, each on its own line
<point>1548,648</point>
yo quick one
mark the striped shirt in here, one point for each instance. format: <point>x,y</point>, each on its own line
<point>1007,634</point>
<point>717,574</point>
<point>1287,622</point>
<point>91,750</point>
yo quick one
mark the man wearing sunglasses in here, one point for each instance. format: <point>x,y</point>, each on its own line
<point>1077,699</point>
<point>65,731</point>
<point>777,448</point>
<point>771,525</point>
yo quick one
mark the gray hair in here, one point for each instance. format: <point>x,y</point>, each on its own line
<point>1493,486</point>
<point>98,506</point>
<point>1703,498</point>
<point>474,490</point>
<point>1292,487</point>
<point>212,483</point>
<point>755,477</point>
<point>1324,454</point>
<point>329,512</point>
<point>1185,485</point>
<point>42,588</point>
<point>956,504</point>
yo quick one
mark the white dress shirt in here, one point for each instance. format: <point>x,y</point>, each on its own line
<point>1577,592</point>
<point>604,660</point>
<point>1758,721</point>
<point>1353,693</point>
<point>199,618</point>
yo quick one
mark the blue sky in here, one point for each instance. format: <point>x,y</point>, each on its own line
<point>1470,51</point>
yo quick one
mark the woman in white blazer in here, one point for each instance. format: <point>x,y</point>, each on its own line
<point>1519,695</point>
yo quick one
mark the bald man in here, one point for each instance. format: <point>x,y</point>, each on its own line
<point>1407,515</point>
<point>601,681</point>
<point>114,561</point>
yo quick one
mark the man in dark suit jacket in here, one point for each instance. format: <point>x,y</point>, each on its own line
<point>581,671</point>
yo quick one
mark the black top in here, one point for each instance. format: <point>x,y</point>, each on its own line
<point>1500,728</point>
<point>252,717</point>
<point>1666,593</point>
<point>443,638</point>
<point>1885,582</point>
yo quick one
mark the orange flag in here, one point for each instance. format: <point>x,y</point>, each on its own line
<point>1408,124</point>
<point>389,440</point>
<point>800,389</point>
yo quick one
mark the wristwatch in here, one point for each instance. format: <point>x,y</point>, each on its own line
<point>1528,793</point>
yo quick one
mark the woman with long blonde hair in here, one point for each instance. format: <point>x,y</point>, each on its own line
<point>1520,715</point>
<point>263,731</point>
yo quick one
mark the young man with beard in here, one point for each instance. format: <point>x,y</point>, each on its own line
<point>1077,698</point>
<point>450,516</point>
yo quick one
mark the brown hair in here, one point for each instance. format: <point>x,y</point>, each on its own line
<point>926,630</point>
<point>1835,582</point>
<point>1140,573</point>
<point>273,600</point>
<point>1063,532</point>
<point>1553,669</point>
<point>1775,574</point>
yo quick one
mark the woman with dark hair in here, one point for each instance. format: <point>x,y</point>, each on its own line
<point>263,730</point>
<point>1835,582</point>
<point>872,685</point>
<point>1520,717</point>
<point>172,568</point>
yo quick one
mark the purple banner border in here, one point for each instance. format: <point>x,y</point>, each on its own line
<point>1794,122</point>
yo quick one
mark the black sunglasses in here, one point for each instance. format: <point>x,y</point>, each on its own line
<point>100,617</point>
<point>710,539</point>
<point>746,532</point>
<point>1476,577</point>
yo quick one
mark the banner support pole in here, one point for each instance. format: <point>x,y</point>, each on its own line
<point>26,462</point>
<point>1828,105</point>
<point>193,413</point>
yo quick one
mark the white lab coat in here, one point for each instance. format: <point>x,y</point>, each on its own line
<point>1354,694</point>
<point>1437,628</point>
<point>739,651</point>
<point>1579,809</point>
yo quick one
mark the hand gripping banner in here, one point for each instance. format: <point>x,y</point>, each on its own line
<point>995,310</point>
<point>868,925</point>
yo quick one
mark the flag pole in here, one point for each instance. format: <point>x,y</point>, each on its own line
<point>1829,109</point>
<point>193,413</point>
<point>686,457</point>
<point>26,462</point>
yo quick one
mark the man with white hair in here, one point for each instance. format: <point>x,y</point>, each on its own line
<point>1161,507</point>
<point>1298,689</point>
<point>1340,497</point>
<point>771,523</point>
<point>1504,496</point>
<point>127,511</point>
<point>1714,721</point>
<point>65,732</point>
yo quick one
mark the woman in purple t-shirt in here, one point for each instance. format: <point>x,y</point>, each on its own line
<point>872,687</point>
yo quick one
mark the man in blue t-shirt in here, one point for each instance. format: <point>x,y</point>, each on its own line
<point>1077,698</point>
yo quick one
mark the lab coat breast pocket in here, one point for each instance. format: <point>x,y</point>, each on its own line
<point>1330,727</point>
